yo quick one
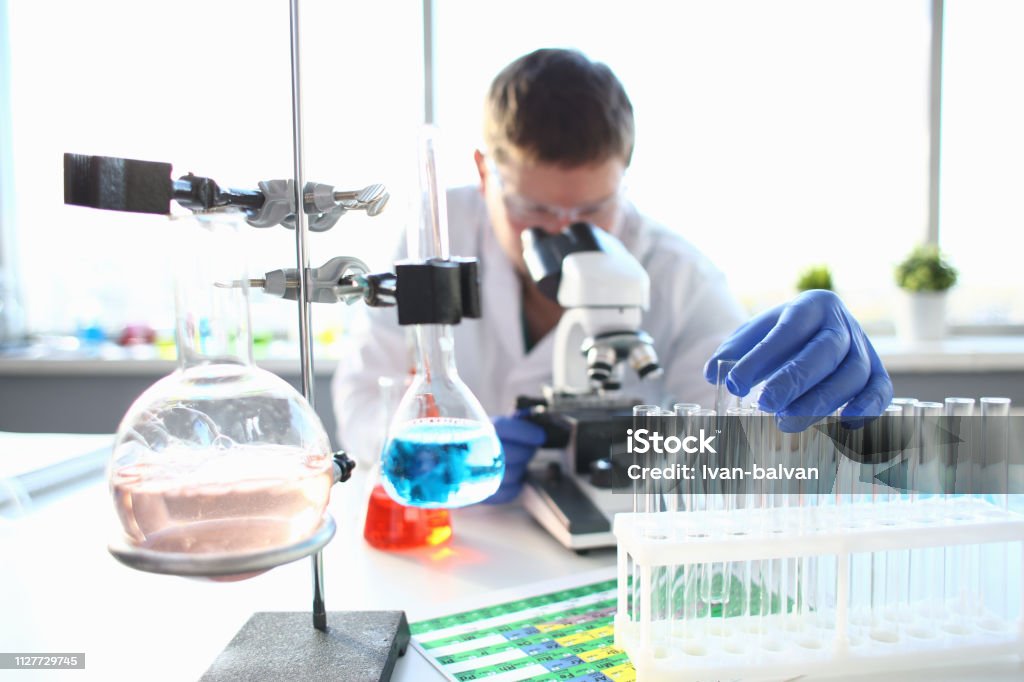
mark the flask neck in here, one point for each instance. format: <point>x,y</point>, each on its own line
<point>206,341</point>
<point>435,352</point>
<point>212,324</point>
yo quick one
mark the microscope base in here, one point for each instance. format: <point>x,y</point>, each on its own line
<point>360,646</point>
<point>565,506</point>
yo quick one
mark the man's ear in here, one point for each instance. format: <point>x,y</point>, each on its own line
<point>481,168</point>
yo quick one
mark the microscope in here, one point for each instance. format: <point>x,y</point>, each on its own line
<point>604,291</point>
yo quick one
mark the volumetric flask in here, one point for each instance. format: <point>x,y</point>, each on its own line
<point>442,450</point>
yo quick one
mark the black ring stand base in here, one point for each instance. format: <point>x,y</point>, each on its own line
<point>358,646</point>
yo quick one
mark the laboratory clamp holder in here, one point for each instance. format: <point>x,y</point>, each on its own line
<point>222,470</point>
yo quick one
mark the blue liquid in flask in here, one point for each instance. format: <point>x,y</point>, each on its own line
<point>440,462</point>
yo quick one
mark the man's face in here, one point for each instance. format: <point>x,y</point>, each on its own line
<point>521,195</point>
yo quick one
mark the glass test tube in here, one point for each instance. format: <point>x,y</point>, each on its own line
<point>684,413</point>
<point>822,598</point>
<point>810,593</point>
<point>995,444</point>
<point>793,569</point>
<point>907,442</point>
<point>764,493</point>
<point>958,476</point>
<point>775,595</point>
<point>995,612</point>
<point>928,584</point>
<point>758,582</point>
<point>701,576</point>
<point>645,417</point>
<point>959,411</point>
<point>724,399</point>
<point>739,576</point>
<point>723,497</point>
<point>736,426</point>
<point>886,578</point>
<point>649,600</point>
<point>684,420</point>
<point>682,603</point>
<point>854,499</point>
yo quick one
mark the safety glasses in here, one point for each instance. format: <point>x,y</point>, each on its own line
<point>526,211</point>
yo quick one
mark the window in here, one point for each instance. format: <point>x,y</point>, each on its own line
<point>205,86</point>
<point>772,135</point>
<point>981,212</point>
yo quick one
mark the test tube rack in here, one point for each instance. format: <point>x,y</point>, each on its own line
<point>833,623</point>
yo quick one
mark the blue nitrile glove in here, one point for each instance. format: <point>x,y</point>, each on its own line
<point>520,440</point>
<point>814,357</point>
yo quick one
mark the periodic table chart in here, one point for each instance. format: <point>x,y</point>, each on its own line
<point>565,634</point>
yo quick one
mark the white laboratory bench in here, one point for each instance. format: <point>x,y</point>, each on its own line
<point>60,590</point>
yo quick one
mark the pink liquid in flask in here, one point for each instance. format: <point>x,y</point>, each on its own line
<point>241,500</point>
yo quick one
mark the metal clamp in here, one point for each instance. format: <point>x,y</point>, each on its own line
<point>321,202</point>
<point>342,279</point>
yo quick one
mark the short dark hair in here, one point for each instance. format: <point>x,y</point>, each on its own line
<point>557,106</point>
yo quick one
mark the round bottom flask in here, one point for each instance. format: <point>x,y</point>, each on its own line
<point>221,469</point>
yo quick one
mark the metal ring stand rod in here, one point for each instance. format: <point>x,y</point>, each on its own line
<point>302,262</point>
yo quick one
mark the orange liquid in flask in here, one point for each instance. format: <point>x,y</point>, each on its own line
<point>389,525</point>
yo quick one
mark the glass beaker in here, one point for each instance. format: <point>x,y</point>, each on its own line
<point>220,458</point>
<point>390,525</point>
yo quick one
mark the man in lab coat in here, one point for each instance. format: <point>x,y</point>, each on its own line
<point>559,136</point>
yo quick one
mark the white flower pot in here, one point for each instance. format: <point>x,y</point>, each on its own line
<point>923,316</point>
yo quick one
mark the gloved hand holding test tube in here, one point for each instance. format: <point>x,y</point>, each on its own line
<point>812,356</point>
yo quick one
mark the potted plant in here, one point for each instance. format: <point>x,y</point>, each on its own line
<point>925,276</point>
<point>815,277</point>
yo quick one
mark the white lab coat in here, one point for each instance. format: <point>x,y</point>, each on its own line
<point>691,312</point>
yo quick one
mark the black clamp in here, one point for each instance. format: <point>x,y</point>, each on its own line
<point>437,291</point>
<point>343,466</point>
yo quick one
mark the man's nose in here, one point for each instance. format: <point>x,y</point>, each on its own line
<point>557,223</point>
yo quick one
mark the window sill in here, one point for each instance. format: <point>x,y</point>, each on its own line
<point>113,360</point>
<point>284,367</point>
<point>952,354</point>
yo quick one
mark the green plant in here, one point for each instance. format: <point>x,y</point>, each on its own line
<point>815,277</point>
<point>925,269</point>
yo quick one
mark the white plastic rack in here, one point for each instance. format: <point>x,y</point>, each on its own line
<point>818,589</point>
